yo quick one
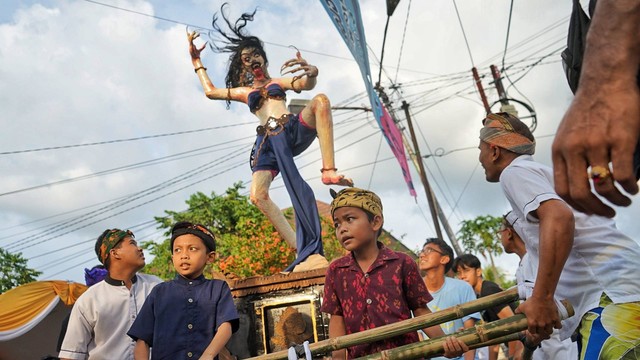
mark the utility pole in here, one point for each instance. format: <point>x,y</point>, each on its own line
<point>483,97</point>
<point>418,163</point>
<point>423,174</point>
<point>441,215</point>
<point>502,95</point>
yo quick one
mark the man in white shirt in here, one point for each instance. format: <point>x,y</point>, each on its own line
<point>101,316</point>
<point>581,258</point>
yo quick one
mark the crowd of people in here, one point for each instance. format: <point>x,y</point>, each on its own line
<point>564,234</point>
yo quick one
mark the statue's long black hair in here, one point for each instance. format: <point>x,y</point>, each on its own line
<point>233,43</point>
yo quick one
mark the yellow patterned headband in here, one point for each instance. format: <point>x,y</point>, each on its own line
<point>498,130</point>
<point>354,197</point>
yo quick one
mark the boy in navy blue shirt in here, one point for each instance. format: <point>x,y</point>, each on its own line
<point>189,317</point>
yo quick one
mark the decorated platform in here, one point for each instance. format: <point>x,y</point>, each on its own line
<point>277,311</point>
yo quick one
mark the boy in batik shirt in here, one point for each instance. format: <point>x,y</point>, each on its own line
<point>373,285</point>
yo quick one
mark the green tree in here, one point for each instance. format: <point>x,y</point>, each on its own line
<point>246,242</point>
<point>14,271</point>
<point>482,236</point>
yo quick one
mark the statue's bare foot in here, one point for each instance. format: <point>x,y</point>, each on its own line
<point>331,177</point>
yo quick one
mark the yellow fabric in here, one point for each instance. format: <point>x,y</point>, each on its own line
<point>19,305</point>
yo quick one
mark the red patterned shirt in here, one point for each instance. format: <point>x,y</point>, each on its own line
<point>385,294</point>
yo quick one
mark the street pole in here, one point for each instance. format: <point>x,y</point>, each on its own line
<point>418,164</point>
<point>483,97</point>
<point>502,95</point>
<point>423,174</point>
<point>441,215</point>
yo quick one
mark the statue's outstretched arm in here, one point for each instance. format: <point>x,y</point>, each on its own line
<point>210,90</point>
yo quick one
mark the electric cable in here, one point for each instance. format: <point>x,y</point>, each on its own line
<point>122,140</point>
<point>132,228</point>
<point>139,195</point>
<point>156,161</point>
<point>384,41</point>
<point>32,239</point>
<point>464,34</point>
<point>79,264</point>
<point>130,197</point>
<point>373,169</point>
<point>104,209</point>
<point>404,35</point>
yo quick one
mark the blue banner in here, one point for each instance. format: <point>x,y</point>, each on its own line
<point>345,15</point>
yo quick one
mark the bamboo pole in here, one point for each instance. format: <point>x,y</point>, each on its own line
<point>475,337</point>
<point>403,327</point>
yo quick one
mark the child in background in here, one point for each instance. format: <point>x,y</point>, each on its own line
<point>373,285</point>
<point>552,348</point>
<point>189,317</point>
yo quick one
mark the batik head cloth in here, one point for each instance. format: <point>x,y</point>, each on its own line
<point>185,227</point>
<point>109,239</point>
<point>354,197</point>
<point>498,130</point>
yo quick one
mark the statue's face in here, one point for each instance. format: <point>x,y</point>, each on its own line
<point>251,59</point>
<point>254,65</point>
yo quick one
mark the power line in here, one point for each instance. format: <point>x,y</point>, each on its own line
<point>120,203</point>
<point>142,14</point>
<point>437,166</point>
<point>104,209</point>
<point>74,222</point>
<point>384,41</point>
<point>47,218</point>
<point>74,265</point>
<point>145,163</point>
<point>123,140</point>
<point>506,41</point>
<point>404,35</point>
<point>376,159</point>
<point>86,241</point>
<point>206,29</point>
<point>463,32</point>
<point>528,40</point>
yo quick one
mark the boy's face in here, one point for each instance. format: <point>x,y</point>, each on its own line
<point>190,256</point>
<point>353,228</point>
<point>471,275</point>
<point>129,252</point>
<point>432,257</point>
<point>506,238</point>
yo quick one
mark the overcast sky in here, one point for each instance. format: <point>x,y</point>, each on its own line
<point>84,72</point>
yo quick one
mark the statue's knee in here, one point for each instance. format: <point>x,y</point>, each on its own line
<point>254,200</point>
<point>322,101</point>
<point>259,199</point>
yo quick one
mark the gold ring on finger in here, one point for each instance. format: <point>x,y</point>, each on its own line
<point>599,174</point>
